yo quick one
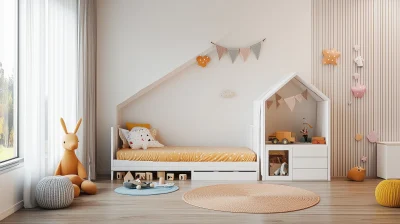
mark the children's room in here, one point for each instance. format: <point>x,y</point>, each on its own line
<point>175,111</point>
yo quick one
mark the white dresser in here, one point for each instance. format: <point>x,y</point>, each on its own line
<point>388,156</point>
<point>306,162</point>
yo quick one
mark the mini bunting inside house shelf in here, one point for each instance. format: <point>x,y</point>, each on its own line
<point>243,51</point>
<point>290,101</point>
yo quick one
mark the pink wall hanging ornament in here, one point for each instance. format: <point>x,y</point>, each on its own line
<point>364,159</point>
<point>221,51</point>
<point>358,90</point>
<point>372,137</point>
<point>245,52</point>
<point>356,76</point>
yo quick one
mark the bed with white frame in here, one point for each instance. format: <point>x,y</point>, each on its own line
<point>199,170</point>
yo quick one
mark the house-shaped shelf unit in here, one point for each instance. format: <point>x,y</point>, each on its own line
<point>299,160</point>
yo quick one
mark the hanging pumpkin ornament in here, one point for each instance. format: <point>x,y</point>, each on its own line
<point>203,60</point>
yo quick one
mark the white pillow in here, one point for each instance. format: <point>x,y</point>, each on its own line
<point>140,137</point>
<point>123,134</point>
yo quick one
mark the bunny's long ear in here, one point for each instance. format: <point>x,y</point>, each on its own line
<point>63,125</point>
<point>77,126</point>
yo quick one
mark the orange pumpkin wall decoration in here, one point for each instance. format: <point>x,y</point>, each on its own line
<point>203,60</point>
<point>356,173</point>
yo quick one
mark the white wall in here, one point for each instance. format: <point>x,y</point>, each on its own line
<point>11,191</point>
<point>139,42</point>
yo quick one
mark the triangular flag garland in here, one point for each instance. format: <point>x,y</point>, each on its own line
<point>277,98</point>
<point>221,51</point>
<point>269,103</point>
<point>233,53</point>
<point>304,94</point>
<point>299,97</point>
<point>290,101</point>
<point>244,51</point>
<point>256,48</point>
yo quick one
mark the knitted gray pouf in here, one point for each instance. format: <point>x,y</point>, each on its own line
<point>54,192</point>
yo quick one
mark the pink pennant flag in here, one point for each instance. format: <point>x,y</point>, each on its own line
<point>304,94</point>
<point>291,102</point>
<point>221,51</point>
<point>269,103</point>
<point>277,98</point>
<point>299,97</point>
<point>245,52</point>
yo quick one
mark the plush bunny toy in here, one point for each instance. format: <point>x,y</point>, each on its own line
<point>71,167</point>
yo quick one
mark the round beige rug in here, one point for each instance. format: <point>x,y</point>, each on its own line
<point>251,198</point>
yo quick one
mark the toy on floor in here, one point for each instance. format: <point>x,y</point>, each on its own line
<point>138,184</point>
<point>71,167</point>
<point>283,170</point>
<point>356,174</point>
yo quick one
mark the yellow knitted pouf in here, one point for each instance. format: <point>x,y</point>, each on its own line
<point>387,193</point>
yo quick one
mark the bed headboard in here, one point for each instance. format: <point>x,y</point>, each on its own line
<point>114,142</point>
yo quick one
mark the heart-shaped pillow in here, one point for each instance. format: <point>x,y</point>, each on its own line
<point>140,137</point>
<point>358,90</point>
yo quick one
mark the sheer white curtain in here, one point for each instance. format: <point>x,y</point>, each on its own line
<point>87,83</point>
<point>48,85</point>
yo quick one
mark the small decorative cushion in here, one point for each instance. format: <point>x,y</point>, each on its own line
<point>129,125</point>
<point>54,192</point>
<point>140,137</point>
<point>122,134</point>
<point>387,193</point>
<point>356,173</point>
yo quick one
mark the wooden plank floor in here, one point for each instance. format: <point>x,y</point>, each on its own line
<point>341,202</point>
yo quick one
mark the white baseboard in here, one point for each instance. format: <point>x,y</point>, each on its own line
<point>11,210</point>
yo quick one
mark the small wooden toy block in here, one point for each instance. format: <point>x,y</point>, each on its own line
<point>182,176</point>
<point>170,176</point>
<point>160,174</point>
<point>149,176</point>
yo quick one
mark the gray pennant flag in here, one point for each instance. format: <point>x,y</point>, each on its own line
<point>233,53</point>
<point>256,48</point>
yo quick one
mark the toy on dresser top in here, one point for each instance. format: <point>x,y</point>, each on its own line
<point>283,137</point>
<point>318,140</point>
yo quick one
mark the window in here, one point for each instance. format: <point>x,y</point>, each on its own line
<point>8,79</point>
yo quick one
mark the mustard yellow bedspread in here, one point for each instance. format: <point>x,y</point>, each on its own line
<point>189,154</point>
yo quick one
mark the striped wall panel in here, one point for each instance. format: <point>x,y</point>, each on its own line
<point>375,26</point>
